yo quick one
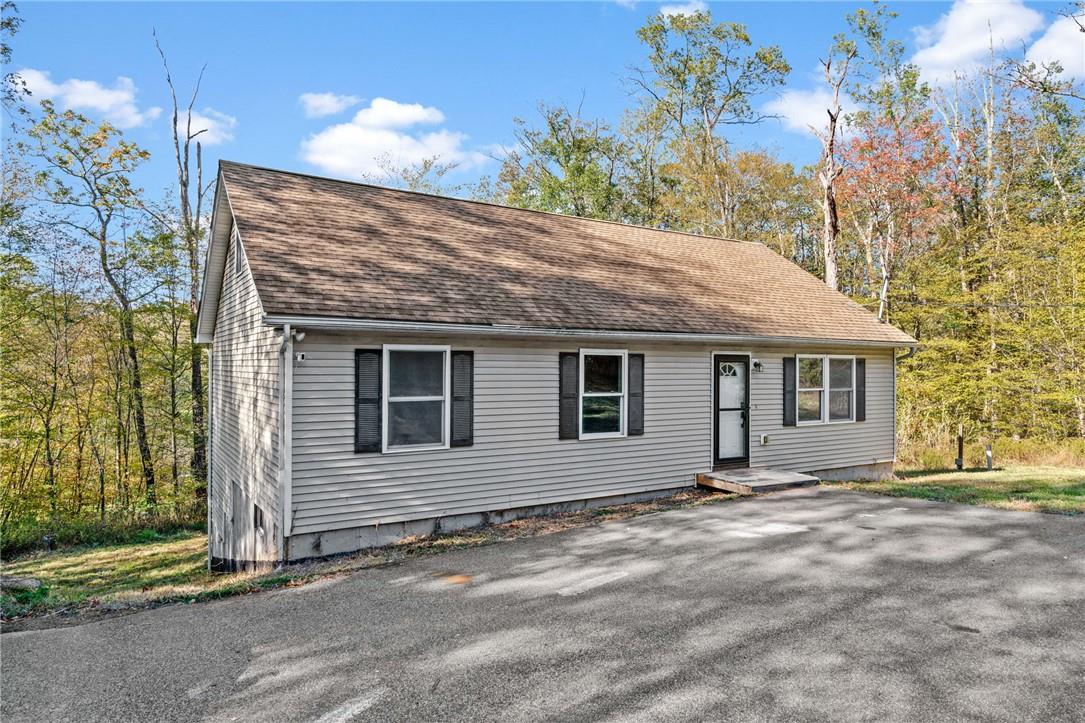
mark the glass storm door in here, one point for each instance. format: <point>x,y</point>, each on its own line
<point>732,402</point>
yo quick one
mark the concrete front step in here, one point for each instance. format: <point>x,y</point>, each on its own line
<point>754,481</point>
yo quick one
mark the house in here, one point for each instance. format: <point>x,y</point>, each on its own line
<point>386,363</point>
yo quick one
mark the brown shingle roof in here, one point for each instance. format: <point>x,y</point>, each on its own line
<point>321,247</point>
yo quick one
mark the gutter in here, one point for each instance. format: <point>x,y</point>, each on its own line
<point>534,332</point>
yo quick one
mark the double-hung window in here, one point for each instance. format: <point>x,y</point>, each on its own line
<point>841,389</point>
<point>826,389</point>
<point>416,391</point>
<point>603,393</point>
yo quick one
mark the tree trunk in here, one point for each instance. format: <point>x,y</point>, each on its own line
<point>128,334</point>
<point>830,228</point>
<point>830,170</point>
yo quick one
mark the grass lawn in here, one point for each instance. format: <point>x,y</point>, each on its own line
<point>116,576</point>
<point>82,583</point>
<point>1035,489</point>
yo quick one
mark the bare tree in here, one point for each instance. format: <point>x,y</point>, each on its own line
<point>835,68</point>
<point>191,196</point>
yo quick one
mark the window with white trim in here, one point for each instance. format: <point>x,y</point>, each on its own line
<point>841,389</point>
<point>825,389</point>
<point>416,403</point>
<point>603,393</point>
<point>811,388</point>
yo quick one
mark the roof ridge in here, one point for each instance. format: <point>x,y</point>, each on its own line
<point>491,204</point>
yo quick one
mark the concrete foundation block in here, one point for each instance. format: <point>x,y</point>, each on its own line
<point>335,542</point>
<point>876,471</point>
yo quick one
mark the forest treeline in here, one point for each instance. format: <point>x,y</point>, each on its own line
<point>955,212</point>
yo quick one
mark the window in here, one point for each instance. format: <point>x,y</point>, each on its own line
<point>257,519</point>
<point>602,393</point>
<point>416,407</point>
<point>811,379</point>
<point>841,389</point>
<point>826,389</point>
<point>239,263</point>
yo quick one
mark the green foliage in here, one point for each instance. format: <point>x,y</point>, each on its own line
<point>569,165</point>
<point>18,603</point>
<point>962,220</point>
<point>26,535</point>
<point>92,283</point>
<point>705,73</point>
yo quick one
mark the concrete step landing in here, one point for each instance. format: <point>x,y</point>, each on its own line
<point>754,481</point>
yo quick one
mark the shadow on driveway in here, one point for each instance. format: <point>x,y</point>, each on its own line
<point>814,604</point>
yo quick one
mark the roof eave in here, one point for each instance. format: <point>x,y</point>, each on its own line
<point>326,323</point>
<point>214,263</point>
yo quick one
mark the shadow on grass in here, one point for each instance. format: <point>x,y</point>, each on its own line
<point>1038,489</point>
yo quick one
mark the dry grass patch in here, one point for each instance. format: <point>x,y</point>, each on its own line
<point>1027,488</point>
<point>87,583</point>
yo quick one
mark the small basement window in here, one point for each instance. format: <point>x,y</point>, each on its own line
<point>602,393</point>
<point>416,389</point>
<point>826,389</point>
<point>257,518</point>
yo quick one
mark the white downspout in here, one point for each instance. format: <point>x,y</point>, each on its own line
<point>285,440</point>
<point>211,531</point>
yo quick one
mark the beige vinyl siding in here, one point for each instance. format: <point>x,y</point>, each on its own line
<point>245,423</point>
<point>808,448</point>
<point>517,459</point>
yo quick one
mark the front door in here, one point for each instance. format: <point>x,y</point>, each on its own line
<point>732,402</point>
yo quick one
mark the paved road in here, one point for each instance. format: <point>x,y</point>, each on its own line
<point>807,605</point>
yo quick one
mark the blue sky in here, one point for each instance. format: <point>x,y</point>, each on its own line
<point>417,78</point>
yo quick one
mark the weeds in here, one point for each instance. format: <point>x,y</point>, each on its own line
<point>23,536</point>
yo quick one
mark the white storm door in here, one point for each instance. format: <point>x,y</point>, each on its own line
<point>731,436</point>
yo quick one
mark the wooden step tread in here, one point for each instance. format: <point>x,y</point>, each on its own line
<point>754,481</point>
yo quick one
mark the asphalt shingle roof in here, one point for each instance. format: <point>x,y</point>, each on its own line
<point>322,247</point>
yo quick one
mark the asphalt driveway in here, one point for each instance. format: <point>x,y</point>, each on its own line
<point>808,605</point>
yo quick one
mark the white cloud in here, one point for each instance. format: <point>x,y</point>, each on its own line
<point>801,111</point>
<point>383,129</point>
<point>1063,42</point>
<point>317,105</point>
<point>116,104</point>
<point>217,127</point>
<point>384,113</point>
<point>627,4</point>
<point>694,6</point>
<point>962,38</point>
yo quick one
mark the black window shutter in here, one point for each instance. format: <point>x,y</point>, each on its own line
<point>463,399</point>
<point>636,395</point>
<point>860,390</point>
<point>367,400</point>
<point>789,391</point>
<point>569,390</point>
